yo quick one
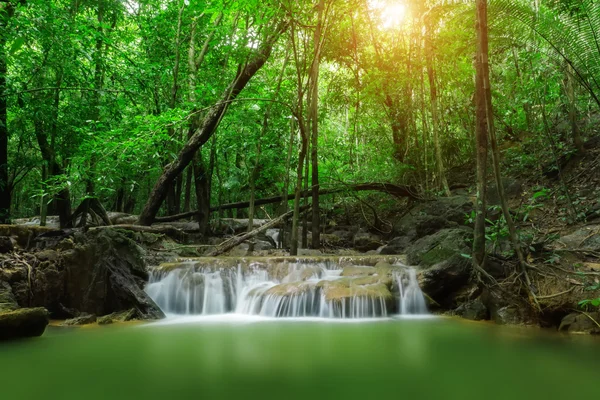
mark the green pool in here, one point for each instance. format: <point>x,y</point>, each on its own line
<point>251,358</point>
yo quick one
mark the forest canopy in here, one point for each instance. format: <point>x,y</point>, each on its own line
<point>161,107</point>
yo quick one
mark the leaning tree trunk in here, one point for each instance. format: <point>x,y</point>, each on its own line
<point>483,49</point>
<point>207,128</point>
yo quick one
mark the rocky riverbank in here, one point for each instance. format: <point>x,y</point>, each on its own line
<point>70,274</point>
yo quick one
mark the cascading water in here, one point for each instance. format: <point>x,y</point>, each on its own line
<point>411,299</point>
<point>307,289</point>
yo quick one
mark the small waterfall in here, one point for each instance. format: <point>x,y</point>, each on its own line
<point>306,289</point>
<point>411,299</point>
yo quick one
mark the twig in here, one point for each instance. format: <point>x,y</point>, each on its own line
<point>557,294</point>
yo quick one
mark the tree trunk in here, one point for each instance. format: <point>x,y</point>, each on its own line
<point>434,111</point>
<point>481,140</point>
<point>305,203</point>
<point>314,123</point>
<point>202,200</point>
<point>5,189</point>
<point>391,189</point>
<point>188,190</point>
<point>206,130</point>
<point>286,182</point>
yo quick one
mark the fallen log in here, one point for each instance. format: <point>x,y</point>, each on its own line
<point>394,190</point>
<point>234,241</point>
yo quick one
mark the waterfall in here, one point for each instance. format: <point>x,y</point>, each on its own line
<point>306,289</point>
<point>411,298</point>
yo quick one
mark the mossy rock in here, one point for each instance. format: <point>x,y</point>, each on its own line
<point>83,319</point>
<point>439,247</point>
<point>24,322</point>
<point>358,271</point>
<point>121,316</point>
<point>289,289</point>
<point>335,292</point>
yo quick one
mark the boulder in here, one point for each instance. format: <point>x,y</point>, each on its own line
<point>586,238</point>
<point>581,323</point>
<point>443,280</point>
<point>101,272</point>
<point>344,238</point>
<point>428,225</point>
<point>512,190</point>
<point>24,322</point>
<point>365,241</point>
<point>343,292</point>
<point>105,273</point>
<point>397,245</point>
<point>82,319</point>
<point>452,208</point>
<point>474,310</point>
<point>508,315</point>
<point>441,246</point>
<point>121,316</point>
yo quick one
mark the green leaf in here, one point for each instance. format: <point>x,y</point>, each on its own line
<point>16,46</point>
<point>468,256</point>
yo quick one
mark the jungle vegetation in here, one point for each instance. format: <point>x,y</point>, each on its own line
<point>163,107</point>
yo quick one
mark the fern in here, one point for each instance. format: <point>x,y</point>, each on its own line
<point>571,29</point>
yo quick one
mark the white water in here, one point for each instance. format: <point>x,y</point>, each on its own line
<point>411,299</point>
<point>252,292</point>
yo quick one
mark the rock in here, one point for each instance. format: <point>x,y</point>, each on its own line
<point>24,322</point>
<point>122,316</point>
<point>512,190</point>
<point>7,299</point>
<point>264,245</point>
<point>508,315</point>
<point>6,245</point>
<point>365,241</point>
<point>443,280</point>
<point>452,208</point>
<point>429,225</point>
<point>82,319</point>
<point>580,323</point>
<point>440,246</point>
<point>358,271</point>
<point>342,292</point>
<point>474,310</point>
<point>586,238</point>
<point>345,238</point>
<point>396,246</point>
<point>289,289</point>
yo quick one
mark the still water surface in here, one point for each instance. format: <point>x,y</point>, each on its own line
<point>232,358</point>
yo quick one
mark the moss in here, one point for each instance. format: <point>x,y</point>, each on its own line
<point>121,316</point>
<point>289,289</point>
<point>24,322</point>
<point>338,292</point>
<point>436,255</point>
<point>358,271</point>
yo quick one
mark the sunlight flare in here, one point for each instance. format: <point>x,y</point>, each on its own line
<point>391,13</point>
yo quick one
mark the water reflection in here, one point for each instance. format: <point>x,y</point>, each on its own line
<point>264,359</point>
